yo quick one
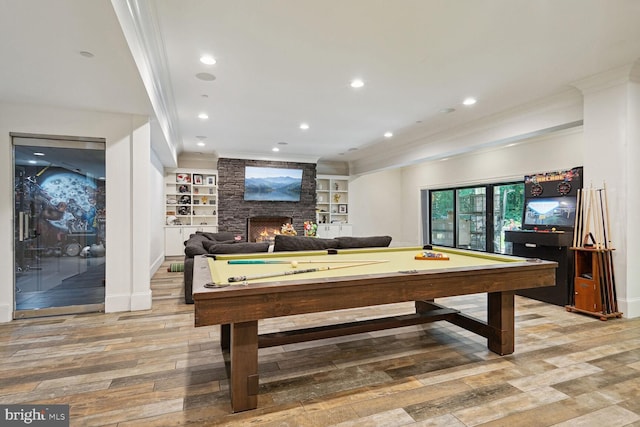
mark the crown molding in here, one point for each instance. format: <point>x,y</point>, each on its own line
<point>139,23</point>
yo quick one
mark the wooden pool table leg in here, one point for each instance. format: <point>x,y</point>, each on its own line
<point>500,318</point>
<point>244,366</point>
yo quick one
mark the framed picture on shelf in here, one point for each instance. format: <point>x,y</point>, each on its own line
<point>211,180</point>
<point>197,179</point>
<point>342,209</point>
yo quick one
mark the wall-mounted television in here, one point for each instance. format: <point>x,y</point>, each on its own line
<point>548,212</point>
<point>272,184</point>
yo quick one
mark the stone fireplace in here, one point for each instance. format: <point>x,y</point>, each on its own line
<point>265,228</point>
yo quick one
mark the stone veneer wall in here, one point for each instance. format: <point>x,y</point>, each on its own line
<point>233,210</point>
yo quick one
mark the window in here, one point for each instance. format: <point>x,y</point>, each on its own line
<point>474,217</point>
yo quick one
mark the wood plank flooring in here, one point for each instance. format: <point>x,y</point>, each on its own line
<point>153,368</point>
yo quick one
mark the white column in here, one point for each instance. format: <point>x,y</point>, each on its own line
<point>127,276</point>
<point>141,217</point>
<point>611,156</point>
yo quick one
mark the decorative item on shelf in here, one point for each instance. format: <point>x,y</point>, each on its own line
<point>336,198</point>
<point>211,180</point>
<point>184,210</point>
<point>288,230</point>
<point>324,219</point>
<point>183,177</point>
<point>196,190</point>
<point>171,219</point>
<point>310,229</point>
<point>212,201</point>
<point>214,212</point>
<point>337,186</point>
<point>204,200</point>
<point>183,189</point>
<point>185,200</point>
<point>197,179</point>
<point>196,201</point>
<point>342,209</point>
<point>172,201</point>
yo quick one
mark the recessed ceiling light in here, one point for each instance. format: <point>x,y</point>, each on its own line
<point>204,95</point>
<point>283,143</point>
<point>203,116</point>
<point>469,101</point>
<point>207,77</point>
<point>207,59</point>
<point>447,110</point>
<point>86,54</point>
<point>201,144</point>
<point>304,126</point>
<point>352,149</point>
<point>388,134</point>
<point>357,83</point>
<point>37,153</point>
<point>275,149</point>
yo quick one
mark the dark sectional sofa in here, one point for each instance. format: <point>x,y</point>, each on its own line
<point>203,243</point>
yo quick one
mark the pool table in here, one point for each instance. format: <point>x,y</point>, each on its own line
<point>279,284</point>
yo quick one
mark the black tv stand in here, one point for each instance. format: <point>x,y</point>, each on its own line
<point>549,246</point>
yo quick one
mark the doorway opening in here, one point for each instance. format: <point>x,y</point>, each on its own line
<point>59,225</point>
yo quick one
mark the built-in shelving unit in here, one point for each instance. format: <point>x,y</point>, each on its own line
<point>332,206</point>
<point>191,204</point>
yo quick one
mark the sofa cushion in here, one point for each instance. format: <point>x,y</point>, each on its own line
<point>194,247</point>
<point>238,248</point>
<point>222,236</point>
<point>284,243</point>
<point>208,243</point>
<point>346,242</point>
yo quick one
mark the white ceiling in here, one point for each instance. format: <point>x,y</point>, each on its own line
<point>283,62</point>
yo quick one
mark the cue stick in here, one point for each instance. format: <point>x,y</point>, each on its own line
<point>306,270</point>
<point>586,229</point>
<point>576,224</point>
<point>597,222</point>
<point>613,277</point>
<point>605,257</point>
<point>315,261</point>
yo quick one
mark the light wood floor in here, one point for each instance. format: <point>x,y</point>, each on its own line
<point>153,368</point>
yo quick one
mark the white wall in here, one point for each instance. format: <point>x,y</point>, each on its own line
<point>375,203</point>
<point>156,213</point>
<point>121,131</point>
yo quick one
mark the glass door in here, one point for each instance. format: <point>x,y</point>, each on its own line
<point>441,213</point>
<point>508,205</point>
<point>471,218</point>
<point>59,225</point>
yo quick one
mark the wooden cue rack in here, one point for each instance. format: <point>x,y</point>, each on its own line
<point>594,281</point>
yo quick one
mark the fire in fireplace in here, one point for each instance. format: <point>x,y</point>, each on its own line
<point>265,228</point>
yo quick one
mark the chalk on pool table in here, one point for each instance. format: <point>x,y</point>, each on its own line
<point>427,247</point>
<point>332,252</point>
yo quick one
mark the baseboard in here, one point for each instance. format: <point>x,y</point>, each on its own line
<point>141,301</point>
<point>155,265</point>
<point>6,313</point>
<point>630,308</point>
